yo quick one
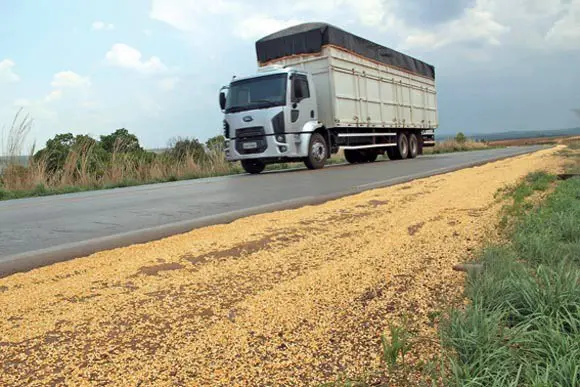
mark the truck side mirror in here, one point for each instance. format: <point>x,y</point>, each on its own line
<point>222,100</point>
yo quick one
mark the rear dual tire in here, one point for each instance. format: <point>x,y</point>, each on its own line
<point>407,147</point>
<point>356,157</point>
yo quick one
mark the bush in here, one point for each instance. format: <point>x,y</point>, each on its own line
<point>183,148</point>
<point>460,138</point>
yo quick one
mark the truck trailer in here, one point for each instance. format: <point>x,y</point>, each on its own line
<point>320,89</point>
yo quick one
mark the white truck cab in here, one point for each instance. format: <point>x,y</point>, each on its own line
<point>271,115</point>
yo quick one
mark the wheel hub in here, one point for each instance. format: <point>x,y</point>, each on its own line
<point>318,151</point>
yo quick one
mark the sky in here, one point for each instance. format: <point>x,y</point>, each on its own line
<point>155,66</point>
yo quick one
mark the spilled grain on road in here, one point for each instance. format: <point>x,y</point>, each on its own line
<point>287,298</point>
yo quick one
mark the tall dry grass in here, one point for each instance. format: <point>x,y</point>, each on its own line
<point>12,138</point>
<point>83,169</point>
<point>452,145</point>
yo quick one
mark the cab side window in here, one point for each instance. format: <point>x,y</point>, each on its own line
<point>301,89</point>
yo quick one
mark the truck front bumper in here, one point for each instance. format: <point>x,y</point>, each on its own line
<point>289,146</point>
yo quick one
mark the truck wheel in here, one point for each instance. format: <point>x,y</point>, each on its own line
<point>413,146</point>
<point>317,152</point>
<point>253,166</point>
<point>370,157</point>
<point>353,156</point>
<point>391,153</point>
<point>401,151</point>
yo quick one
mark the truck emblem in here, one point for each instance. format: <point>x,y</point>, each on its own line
<point>248,119</point>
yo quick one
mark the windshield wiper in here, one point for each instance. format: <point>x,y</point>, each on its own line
<point>266,101</point>
<point>236,109</point>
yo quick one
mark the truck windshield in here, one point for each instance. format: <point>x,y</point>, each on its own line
<point>257,93</point>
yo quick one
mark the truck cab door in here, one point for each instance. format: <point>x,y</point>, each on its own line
<point>303,104</point>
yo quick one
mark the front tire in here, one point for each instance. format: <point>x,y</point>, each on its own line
<point>317,152</point>
<point>253,167</point>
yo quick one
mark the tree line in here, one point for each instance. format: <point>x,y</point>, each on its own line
<point>98,152</point>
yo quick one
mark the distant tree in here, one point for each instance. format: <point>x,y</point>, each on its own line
<point>217,143</point>
<point>58,148</point>
<point>121,141</point>
<point>56,151</point>
<point>180,148</point>
<point>460,138</point>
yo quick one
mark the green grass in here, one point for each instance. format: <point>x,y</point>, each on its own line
<point>520,193</point>
<point>572,154</point>
<point>522,326</point>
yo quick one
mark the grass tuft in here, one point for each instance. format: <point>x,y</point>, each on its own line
<point>396,345</point>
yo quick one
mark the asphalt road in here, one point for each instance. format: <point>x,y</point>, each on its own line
<point>39,231</point>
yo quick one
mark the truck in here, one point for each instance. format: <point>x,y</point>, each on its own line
<point>319,90</point>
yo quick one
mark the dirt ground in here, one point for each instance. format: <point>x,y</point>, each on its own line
<point>288,298</point>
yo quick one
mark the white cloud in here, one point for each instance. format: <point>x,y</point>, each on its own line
<point>186,15</point>
<point>261,25</point>
<point>122,55</point>
<point>99,25</point>
<point>7,73</point>
<point>168,84</point>
<point>475,25</point>
<point>371,13</point>
<point>69,79</point>
<point>536,24</point>
<point>54,95</point>
<point>566,30</point>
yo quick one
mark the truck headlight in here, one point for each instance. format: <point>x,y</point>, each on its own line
<point>281,138</point>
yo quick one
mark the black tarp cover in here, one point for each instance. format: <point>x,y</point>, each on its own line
<point>309,38</point>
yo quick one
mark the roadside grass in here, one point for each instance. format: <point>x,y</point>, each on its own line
<point>572,155</point>
<point>517,196</point>
<point>522,323</point>
<point>450,146</point>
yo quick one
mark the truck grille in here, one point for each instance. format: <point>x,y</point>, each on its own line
<point>246,137</point>
<point>254,131</point>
